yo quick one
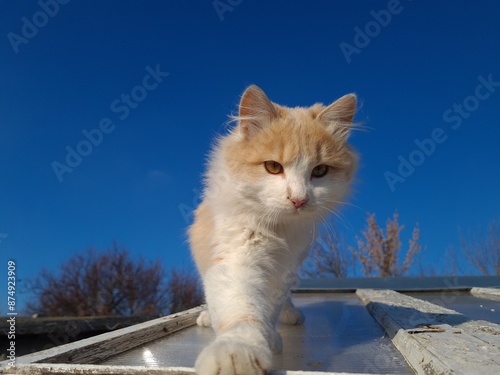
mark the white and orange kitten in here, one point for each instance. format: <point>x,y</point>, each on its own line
<point>277,174</point>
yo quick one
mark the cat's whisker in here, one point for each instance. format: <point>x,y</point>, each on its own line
<point>271,217</point>
<point>340,217</point>
<point>344,203</point>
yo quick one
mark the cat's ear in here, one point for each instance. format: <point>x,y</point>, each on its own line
<point>338,116</point>
<point>255,111</point>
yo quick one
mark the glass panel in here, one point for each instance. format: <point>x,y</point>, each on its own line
<point>339,335</point>
<point>476,308</point>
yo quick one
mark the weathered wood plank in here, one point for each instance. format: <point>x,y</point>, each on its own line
<point>97,348</point>
<point>63,369</point>
<point>56,369</point>
<point>490,293</point>
<point>432,338</point>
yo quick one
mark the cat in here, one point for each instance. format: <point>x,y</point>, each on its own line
<point>268,183</point>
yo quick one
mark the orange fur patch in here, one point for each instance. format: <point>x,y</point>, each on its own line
<point>296,132</point>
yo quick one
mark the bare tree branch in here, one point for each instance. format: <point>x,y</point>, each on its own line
<point>185,291</point>
<point>379,253</point>
<point>483,251</point>
<point>328,257</point>
<point>111,283</point>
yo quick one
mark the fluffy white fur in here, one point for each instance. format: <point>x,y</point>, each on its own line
<point>249,239</point>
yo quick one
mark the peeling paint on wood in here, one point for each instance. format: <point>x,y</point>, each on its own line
<point>95,349</point>
<point>490,293</point>
<point>454,345</point>
<point>61,369</point>
<point>425,328</point>
<point>43,369</point>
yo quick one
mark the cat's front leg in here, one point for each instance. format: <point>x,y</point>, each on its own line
<point>290,314</point>
<point>242,314</point>
<point>203,319</point>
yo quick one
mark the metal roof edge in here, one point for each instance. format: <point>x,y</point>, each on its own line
<point>402,284</point>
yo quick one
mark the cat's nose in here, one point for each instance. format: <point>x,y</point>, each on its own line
<point>297,202</point>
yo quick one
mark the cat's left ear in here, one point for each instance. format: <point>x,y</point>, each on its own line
<point>338,116</point>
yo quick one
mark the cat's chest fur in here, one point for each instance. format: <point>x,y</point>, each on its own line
<point>285,244</point>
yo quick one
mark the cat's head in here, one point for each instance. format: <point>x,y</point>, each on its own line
<point>290,162</point>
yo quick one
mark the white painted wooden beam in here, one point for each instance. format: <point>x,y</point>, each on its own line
<point>61,369</point>
<point>490,293</point>
<point>434,339</point>
<point>64,369</point>
<point>98,348</point>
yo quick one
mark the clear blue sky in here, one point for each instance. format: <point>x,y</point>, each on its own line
<point>426,68</point>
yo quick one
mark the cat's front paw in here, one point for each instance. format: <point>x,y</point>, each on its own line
<point>291,315</point>
<point>233,357</point>
<point>203,319</point>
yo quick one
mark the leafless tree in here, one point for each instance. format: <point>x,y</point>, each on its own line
<point>102,284</point>
<point>185,291</point>
<point>483,251</point>
<point>453,263</point>
<point>329,257</point>
<point>379,253</point>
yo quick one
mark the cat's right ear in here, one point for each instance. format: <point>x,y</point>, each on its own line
<point>338,116</point>
<point>255,111</point>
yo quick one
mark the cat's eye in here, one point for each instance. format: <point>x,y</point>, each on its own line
<point>319,170</point>
<point>273,167</point>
